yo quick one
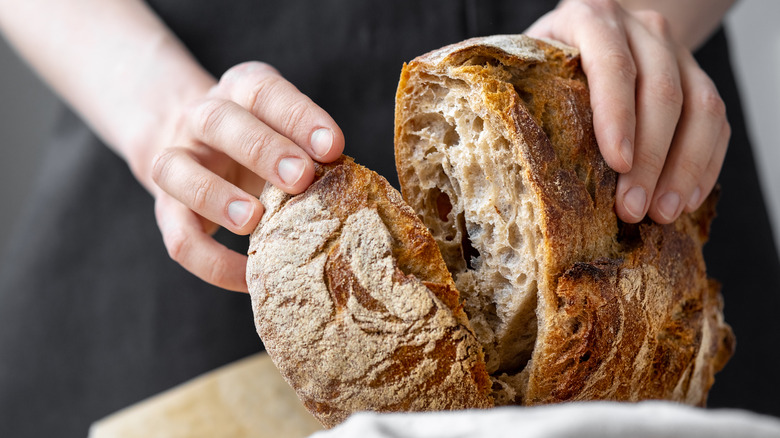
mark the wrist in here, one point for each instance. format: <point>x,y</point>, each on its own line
<point>171,82</point>
<point>124,73</point>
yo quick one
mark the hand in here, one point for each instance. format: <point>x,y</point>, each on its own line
<point>251,127</point>
<point>657,116</point>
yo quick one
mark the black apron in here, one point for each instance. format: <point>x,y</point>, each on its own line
<point>94,316</point>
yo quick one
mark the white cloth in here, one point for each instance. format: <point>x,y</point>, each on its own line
<point>651,419</point>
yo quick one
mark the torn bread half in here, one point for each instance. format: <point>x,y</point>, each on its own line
<point>495,150</point>
<point>354,303</point>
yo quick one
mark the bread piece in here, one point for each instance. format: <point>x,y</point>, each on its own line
<point>498,132</point>
<point>495,150</point>
<point>354,303</point>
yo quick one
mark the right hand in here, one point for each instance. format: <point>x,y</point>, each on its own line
<point>251,127</point>
<point>657,116</point>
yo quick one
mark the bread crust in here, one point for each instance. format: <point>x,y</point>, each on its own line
<point>354,304</point>
<point>646,326</point>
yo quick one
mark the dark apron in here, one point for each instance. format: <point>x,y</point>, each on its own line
<point>94,316</point>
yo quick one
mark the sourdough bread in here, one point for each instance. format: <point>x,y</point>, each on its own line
<point>509,280</point>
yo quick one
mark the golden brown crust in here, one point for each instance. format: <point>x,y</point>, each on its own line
<point>355,305</point>
<point>647,326</point>
<point>624,312</point>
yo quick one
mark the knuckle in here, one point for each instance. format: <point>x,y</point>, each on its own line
<point>257,146</point>
<point>692,168</point>
<point>666,89</point>
<point>176,245</point>
<point>652,161</point>
<point>621,62</point>
<point>161,164</point>
<point>605,12</point>
<point>202,188</point>
<point>262,89</point>
<point>208,115</point>
<point>244,69</point>
<point>263,68</point>
<point>295,115</point>
<point>655,21</point>
<point>231,74</point>
<point>712,104</point>
<point>217,272</point>
<point>602,6</point>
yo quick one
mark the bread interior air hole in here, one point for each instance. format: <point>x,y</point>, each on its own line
<point>474,200</point>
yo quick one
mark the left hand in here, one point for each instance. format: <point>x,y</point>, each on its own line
<point>658,118</point>
<point>251,127</point>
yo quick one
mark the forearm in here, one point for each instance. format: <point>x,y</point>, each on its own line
<point>114,62</point>
<point>691,21</point>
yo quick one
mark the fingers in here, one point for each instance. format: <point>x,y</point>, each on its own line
<point>597,29</point>
<point>265,124</point>
<point>710,177</point>
<point>657,117</point>
<point>260,89</point>
<point>697,151</point>
<point>252,127</point>
<point>192,247</point>
<point>659,100</point>
<point>180,174</point>
<point>228,127</point>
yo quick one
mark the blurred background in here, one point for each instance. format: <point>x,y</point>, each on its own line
<point>27,110</point>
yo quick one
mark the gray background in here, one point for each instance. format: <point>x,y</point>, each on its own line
<point>27,110</point>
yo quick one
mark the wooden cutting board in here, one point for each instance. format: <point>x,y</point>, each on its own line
<point>247,398</point>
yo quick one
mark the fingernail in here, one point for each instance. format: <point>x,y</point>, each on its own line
<point>668,205</point>
<point>626,152</point>
<point>634,201</point>
<point>321,141</point>
<point>239,212</point>
<point>291,170</point>
<point>694,201</point>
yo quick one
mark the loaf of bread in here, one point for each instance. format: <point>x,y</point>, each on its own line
<point>503,276</point>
